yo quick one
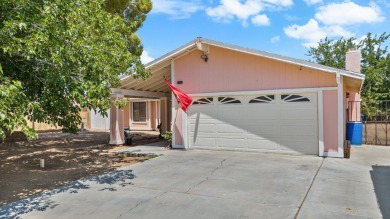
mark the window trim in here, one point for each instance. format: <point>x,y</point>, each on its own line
<point>146,112</point>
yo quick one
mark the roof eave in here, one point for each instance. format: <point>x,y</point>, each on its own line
<point>177,52</point>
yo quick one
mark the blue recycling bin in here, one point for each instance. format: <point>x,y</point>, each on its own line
<point>355,133</point>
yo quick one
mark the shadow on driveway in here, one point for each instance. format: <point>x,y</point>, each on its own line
<point>42,201</point>
<point>380,176</point>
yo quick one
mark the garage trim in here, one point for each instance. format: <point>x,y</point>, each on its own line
<point>319,91</point>
<point>340,106</point>
<point>242,93</point>
<point>320,109</point>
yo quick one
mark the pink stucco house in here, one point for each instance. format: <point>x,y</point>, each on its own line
<point>243,99</point>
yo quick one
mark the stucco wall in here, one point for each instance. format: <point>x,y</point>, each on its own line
<point>126,115</point>
<point>228,70</point>
<point>330,110</point>
<point>354,107</point>
<point>116,121</point>
<point>178,124</point>
<point>153,116</point>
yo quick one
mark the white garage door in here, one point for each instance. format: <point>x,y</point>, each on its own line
<point>277,122</point>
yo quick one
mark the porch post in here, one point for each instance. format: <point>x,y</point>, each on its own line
<point>116,121</point>
<point>164,114</point>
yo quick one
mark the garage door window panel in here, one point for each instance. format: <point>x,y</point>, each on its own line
<point>201,101</point>
<point>263,99</point>
<point>139,112</point>
<point>294,98</point>
<point>228,100</point>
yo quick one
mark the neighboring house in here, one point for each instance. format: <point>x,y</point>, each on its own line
<point>244,99</point>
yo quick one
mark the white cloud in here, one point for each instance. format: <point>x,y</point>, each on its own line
<point>312,2</point>
<point>275,39</point>
<point>348,13</point>
<point>145,58</point>
<point>312,32</point>
<point>261,20</point>
<point>332,21</point>
<point>228,10</point>
<point>178,9</point>
<point>283,3</point>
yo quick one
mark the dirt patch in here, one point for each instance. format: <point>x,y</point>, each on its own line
<point>66,158</point>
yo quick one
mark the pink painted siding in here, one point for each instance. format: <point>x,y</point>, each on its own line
<point>164,110</point>
<point>153,111</point>
<point>345,103</point>
<point>169,114</point>
<point>112,119</point>
<point>354,107</point>
<point>330,120</point>
<point>126,115</point>
<point>228,70</point>
<point>178,125</point>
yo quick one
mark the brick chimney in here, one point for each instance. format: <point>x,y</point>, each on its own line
<point>352,61</point>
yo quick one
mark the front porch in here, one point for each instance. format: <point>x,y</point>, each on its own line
<point>148,105</point>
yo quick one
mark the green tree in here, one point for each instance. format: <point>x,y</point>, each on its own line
<point>375,63</point>
<point>59,56</point>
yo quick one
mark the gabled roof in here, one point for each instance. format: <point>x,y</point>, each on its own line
<point>191,45</point>
<point>161,67</point>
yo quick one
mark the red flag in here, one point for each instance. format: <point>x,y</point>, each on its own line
<point>183,98</point>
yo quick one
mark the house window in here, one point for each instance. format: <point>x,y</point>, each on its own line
<point>139,111</point>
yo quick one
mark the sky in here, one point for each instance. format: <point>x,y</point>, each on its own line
<point>284,27</point>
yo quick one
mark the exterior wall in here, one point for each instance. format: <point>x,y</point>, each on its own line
<point>169,114</point>
<point>164,115</point>
<point>153,116</point>
<point>228,70</point>
<point>330,125</point>
<point>354,107</point>
<point>116,121</point>
<point>345,110</point>
<point>126,115</point>
<point>178,125</point>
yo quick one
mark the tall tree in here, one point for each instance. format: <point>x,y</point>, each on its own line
<point>375,63</point>
<point>59,56</point>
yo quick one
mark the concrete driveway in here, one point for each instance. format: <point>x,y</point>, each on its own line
<point>225,184</point>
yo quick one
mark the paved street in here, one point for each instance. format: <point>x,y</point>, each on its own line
<point>225,184</point>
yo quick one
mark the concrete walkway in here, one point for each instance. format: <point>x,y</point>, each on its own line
<point>224,184</point>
